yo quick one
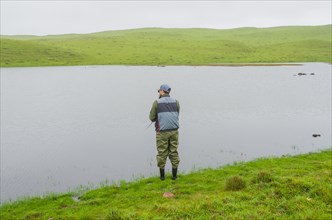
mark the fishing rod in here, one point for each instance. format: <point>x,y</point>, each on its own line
<point>149,125</point>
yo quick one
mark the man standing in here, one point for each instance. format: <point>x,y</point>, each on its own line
<point>165,114</point>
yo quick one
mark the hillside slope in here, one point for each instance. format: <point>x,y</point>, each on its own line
<point>158,46</point>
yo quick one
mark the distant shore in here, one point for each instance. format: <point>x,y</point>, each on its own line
<point>172,47</point>
<point>241,64</point>
<point>172,65</point>
<point>183,65</point>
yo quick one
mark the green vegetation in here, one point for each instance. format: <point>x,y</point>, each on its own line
<point>297,187</point>
<point>157,46</point>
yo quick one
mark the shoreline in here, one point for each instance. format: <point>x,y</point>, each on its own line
<point>179,65</point>
<point>251,64</point>
<point>298,185</point>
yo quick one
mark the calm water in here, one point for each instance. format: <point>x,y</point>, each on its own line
<point>62,127</point>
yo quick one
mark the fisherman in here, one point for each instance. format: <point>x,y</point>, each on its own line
<point>165,114</point>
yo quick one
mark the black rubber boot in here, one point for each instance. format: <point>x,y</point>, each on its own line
<point>174,173</point>
<point>162,174</point>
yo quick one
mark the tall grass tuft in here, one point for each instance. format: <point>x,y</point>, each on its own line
<point>114,215</point>
<point>235,183</point>
<point>262,177</point>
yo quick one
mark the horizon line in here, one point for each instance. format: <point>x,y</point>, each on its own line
<point>87,33</point>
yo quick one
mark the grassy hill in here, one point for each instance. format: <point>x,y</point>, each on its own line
<point>297,187</point>
<point>158,46</point>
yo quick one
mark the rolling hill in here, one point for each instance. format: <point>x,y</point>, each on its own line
<point>171,46</point>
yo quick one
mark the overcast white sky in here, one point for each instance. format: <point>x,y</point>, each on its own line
<point>60,17</point>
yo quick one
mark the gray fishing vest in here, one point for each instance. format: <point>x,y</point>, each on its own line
<point>168,114</point>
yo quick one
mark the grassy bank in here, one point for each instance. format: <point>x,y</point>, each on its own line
<point>157,46</point>
<point>297,187</point>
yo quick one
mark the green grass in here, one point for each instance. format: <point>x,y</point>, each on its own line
<point>158,46</point>
<point>297,187</point>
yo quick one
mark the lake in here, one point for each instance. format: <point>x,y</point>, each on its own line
<point>65,127</point>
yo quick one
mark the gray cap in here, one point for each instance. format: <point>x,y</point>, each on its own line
<point>165,88</point>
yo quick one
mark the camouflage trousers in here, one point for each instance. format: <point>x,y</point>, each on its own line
<point>167,146</point>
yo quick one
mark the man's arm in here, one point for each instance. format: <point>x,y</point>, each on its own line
<point>153,111</point>
<point>178,105</point>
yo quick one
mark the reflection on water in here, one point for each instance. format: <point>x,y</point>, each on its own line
<point>62,127</point>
